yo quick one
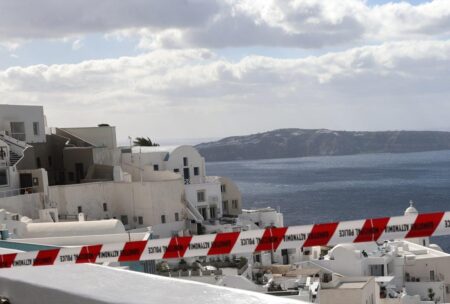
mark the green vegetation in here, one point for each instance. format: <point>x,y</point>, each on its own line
<point>144,142</point>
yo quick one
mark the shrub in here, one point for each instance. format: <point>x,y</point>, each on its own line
<point>242,262</point>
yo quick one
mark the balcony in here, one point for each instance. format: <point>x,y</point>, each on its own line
<point>18,191</point>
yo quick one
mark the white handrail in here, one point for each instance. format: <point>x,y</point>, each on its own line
<point>12,140</point>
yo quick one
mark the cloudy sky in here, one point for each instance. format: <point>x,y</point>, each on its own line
<point>183,69</point>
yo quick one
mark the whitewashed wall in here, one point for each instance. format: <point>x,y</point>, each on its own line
<point>213,196</point>
<point>148,199</point>
<point>27,204</point>
<point>149,156</point>
<point>98,136</point>
<point>194,160</point>
<point>231,193</point>
<point>26,114</point>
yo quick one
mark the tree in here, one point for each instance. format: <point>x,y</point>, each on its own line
<point>144,142</point>
<point>431,294</point>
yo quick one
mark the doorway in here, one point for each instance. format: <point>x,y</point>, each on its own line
<point>26,183</point>
<point>79,172</point>
<point>187,176</point>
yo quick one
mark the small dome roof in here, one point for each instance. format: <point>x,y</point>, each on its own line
<point>344,250</point>
<point>411,210</point>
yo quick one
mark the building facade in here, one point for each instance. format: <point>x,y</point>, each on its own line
<point>20,127</point>
<point>208,195</point>
<point>23,123</point>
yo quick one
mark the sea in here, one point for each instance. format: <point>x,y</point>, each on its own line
<point>323,189</point>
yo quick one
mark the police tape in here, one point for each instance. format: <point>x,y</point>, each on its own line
<point>269,239</point>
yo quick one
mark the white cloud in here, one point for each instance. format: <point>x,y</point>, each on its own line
<point>26,19</point>
<point>10,46</point>
<point>187,92</point>
<point>77,44</point>
<point>227,23</point>
<point>309,24</point>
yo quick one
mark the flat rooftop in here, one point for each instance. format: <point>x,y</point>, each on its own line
<point>267,209</point>
<point>90,284</point>
<point>352,285</point>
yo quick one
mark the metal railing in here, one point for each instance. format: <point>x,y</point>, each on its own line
<point>68,217</point>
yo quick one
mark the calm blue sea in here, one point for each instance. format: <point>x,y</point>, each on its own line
<point>334,188</point>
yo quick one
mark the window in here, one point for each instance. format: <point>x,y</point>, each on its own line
<point>225,206</point>
<point>202,211</point>
<point>140,220</point>
<point>258,258</point>
<point>201,196</point>
<point>36,128</point>
<point>185,161</point>
<point>176,170</point>
<point>327,277</point>
<point>18,130</point>
<point>196,171</point>
<point>376,270</point>
<point>124,219</point>
<point>3,177</point>
<point>105,207</point>
<point>163,219</point>
<point>212,212</point>
<point>80,209</point>
<point>2,153</point>
<point>38,163</point>
<point>155,167</point>
<point>50,162</point>
<point>177,217</point>
<point>234,204</point>
<point>223,188</point>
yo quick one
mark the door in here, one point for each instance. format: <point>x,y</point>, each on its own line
<point>285,255</point>
<point>79,172</point>
<point>26,183</point>
<point>203,212</point>
<point>186,175</point>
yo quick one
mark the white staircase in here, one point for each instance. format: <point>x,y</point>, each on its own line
<point>13,158</point>
<point>16,148</point>
<point>194,214</point>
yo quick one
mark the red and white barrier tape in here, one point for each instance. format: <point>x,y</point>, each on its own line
<point>369,230</point>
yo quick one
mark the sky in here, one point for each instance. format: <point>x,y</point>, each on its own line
<point>190,70</point>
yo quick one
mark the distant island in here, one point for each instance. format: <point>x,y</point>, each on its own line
<point>285,143</point>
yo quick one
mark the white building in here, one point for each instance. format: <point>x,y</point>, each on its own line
<point>204,193</point>
<point>349,290</point>
<point>152,203</point>
<point>24,123</point>
<point>404,266</point>
<point>20,126</point>
<point>102,136</point>
<point>73,284</point>
<point>77,170</point>
<point>5,168</point>
<point>231,197</point>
